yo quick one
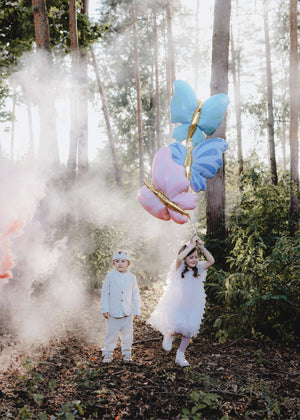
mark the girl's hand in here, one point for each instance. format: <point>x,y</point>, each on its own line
<point>194,240</point>
<point>199,242</point>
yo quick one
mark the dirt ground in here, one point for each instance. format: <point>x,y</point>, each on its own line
<point>65,378</point>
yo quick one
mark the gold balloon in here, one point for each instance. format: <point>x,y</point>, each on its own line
<point>166,201</point>
<point>195,120</point>
<point>189,145</point>
<point>188,159</point>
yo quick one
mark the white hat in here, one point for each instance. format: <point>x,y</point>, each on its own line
<point>121,255</point>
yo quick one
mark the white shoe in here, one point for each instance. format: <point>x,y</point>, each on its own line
<point>107,356</point>
<point>127,358</point>
<point>180,359</point>
<point>167,342</point>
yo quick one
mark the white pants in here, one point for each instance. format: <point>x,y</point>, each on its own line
<point>114,327</point>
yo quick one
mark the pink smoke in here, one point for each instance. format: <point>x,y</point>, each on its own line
<point>6,257</point>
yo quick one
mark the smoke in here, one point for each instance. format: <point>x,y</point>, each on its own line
<point>20,192</point>
<point>40,287</point>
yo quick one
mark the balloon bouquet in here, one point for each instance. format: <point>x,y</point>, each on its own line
<point>177,169</point>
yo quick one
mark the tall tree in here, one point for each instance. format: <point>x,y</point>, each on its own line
<point>30,125</point>
<point>196,60</point>
<point>157,92</point>
<point>83,163</point>
<point>73,147</point>
<point>294,143</point>
<point>215,207</point>
<point>107,122</point>
<point>41,24</point>
<point>271,141</point>
<point>48,146</point>
<point>170,58</point>
<point>12,139</point>
<point>235,68</point>
<point>138,96</point>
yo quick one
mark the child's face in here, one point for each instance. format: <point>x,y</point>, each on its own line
<point>192,260</point>
<point>121,265</point>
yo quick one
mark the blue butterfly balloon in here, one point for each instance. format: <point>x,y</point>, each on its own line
<point>182,107</point>
<point>206,160</point>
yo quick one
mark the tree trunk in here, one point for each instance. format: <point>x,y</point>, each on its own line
<point>31,137</point>
<point>235,54</point>
<point>107,122</point>
<point>48,146</point>
<point>12,139</point>
<point>83,163</point>
<point>157,92</point>
<point>215,207</point>
<point>73,148</point>
<point>294,143</point>
<point>283,137</point>
<point>271,142</point>
<point>169,87</point>
<point>196,60</point>
<point>170,61</point>
<point>139,99</point>
<point>41,24</point>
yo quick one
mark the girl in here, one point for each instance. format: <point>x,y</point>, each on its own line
<point>181,308</point>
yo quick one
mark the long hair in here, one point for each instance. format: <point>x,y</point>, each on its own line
<point>185,270</point>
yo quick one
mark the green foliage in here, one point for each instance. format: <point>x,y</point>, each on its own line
<point>18,33</point>
<point>31,381</point>
<point>58,16</point>
<point>203,400</point>
<point>52,385</point>
<point>104,241</point>
<point>85,377</point>
<point>261,287</point>
<point>118,69</point>
<point>38,398</point>
<point>18,36</point>
<point>214,285</point>
<point>70,409</point>
<point>17,30</point>
<point>24,413</point>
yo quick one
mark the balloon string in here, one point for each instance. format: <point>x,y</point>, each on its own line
<point>193,224</point>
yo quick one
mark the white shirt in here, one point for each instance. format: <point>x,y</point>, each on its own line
<point>120,294</point>
<point>121,277</point>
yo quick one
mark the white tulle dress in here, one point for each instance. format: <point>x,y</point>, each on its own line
<point>181,307</point>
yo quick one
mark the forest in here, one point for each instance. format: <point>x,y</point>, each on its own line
<point>88,93</point>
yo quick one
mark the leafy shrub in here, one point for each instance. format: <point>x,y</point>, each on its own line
<point>260,287</point>
<point>104,240</point>
<point>203,401</point>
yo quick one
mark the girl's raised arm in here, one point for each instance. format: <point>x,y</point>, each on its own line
<point>184,253</point>
<point>209,258</point>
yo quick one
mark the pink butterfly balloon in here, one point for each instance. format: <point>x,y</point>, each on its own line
<point>170,180</point>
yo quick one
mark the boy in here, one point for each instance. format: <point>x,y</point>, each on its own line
<point>120,298</point>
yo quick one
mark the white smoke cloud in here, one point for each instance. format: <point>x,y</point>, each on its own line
<point>44,260</point>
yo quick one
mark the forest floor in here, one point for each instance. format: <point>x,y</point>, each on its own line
<point>65,378</point>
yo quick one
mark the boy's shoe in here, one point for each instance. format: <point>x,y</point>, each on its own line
<point>167,342</point>
<point>127,358</point>
<point>107,356</point>
<point>180,359</point>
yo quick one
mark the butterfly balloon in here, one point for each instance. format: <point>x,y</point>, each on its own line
<point>206,160</point>
<point>168,196</point>
<point>185,110</point>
